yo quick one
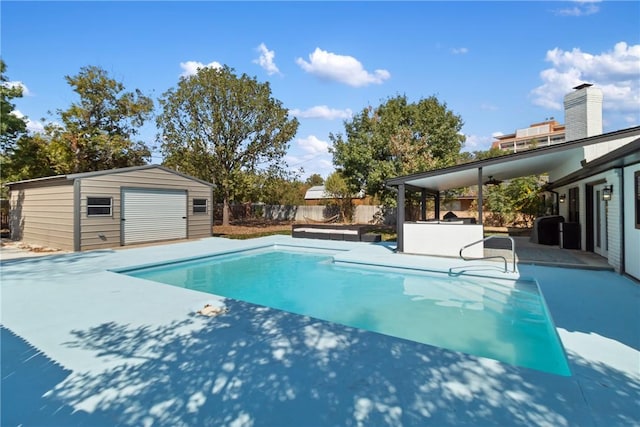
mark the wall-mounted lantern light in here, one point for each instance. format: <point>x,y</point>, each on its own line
<point>607,191</point>
<point>563,198</point>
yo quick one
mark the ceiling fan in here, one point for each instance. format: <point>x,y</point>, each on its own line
<point>492,181</point>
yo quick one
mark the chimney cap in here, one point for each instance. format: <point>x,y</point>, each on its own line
<point>582,86</point>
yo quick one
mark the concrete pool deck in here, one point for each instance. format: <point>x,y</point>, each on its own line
<point>82,345</point>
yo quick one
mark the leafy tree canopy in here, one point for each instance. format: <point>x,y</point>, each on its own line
<point>339,189</point>
<point>217,126</point>
<point>396,138</point>
<point>97,131</point>
<point>314,180</point>
<point>11,126</point>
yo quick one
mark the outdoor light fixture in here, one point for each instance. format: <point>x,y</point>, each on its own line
<point>606,193</point>
<point>563,198</point>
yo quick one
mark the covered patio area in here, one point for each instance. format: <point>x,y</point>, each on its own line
<point>436,235</point>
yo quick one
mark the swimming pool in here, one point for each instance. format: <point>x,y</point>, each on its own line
<point>506,320</point>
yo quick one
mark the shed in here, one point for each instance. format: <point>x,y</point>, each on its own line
<point>105,209</point>
<point>318,195</point>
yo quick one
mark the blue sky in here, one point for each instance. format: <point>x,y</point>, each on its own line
<point>499,65</point>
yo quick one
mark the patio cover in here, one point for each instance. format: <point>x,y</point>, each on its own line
<point>524,163</point>
<point>532,162</point>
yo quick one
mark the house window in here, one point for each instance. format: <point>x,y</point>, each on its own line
<point>99,206</point>
<point>199,206</point>
<point>637,201</point>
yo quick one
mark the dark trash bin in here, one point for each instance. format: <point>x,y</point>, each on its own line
<point>570,235</point>
<point>546,230</point>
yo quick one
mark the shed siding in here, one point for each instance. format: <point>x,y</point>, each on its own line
<point>104,232</point>
<point>42,214</point>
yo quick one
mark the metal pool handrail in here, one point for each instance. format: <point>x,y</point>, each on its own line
<point>513,251</point>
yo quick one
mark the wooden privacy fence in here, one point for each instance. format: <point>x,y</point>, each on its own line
<point>4,214</point>
<point>364,214</point>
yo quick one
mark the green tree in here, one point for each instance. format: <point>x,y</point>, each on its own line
<point>314,180</point>
<point>215,125</point>
<point>396,138</point>
<point>337,187</point>
<point>11,126</point>
<point>29,159</point>
<point>97,131</point>
<point>499,205</point>
<point>525,198</point>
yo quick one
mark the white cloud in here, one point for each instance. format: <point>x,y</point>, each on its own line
<point>615,72</point>
<point>311,154</point>
<point>459,50</point>
<point>580,8</point>
<point>488,107</point>
<point>265,60</point>
<point>191,68</point>
<point>341,68</point>
<point>322,112</point>
<point>18,84</point>
<point>32,125</point>
<point>313,145</point>
<point>477,143</point>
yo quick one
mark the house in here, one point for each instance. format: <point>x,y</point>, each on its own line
<point>583,105</point>
<point>106,209</point>
<point>594,176</point>
<point>549,132</point>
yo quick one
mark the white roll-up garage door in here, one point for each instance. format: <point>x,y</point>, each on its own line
<point>150,215</point>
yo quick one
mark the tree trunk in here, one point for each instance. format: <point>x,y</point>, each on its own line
<point>225,211</point>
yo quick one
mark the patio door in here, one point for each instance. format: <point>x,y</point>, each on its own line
<point>600,216</point>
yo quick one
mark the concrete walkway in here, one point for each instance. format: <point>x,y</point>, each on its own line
<point>549,255</point>
<point>82,345</point>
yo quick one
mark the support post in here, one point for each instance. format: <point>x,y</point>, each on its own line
<point>423,205</point>
<point>480,196</point>
<point>437,205</point>
<point>400,218</point>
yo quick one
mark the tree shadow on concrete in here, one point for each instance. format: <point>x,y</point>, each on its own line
<point>256,366</point>
<point>28,376</point>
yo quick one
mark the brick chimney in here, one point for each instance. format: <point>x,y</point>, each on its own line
<point>583,112</point>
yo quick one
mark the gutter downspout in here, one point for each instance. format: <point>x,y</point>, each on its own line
<point>620,173</point>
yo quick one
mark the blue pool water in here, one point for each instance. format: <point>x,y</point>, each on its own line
<point>500,319</point>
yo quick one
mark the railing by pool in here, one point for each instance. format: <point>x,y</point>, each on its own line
<point>513,251</point>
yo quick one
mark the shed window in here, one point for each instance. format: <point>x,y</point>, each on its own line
<point>199,206</point>
<point>99,206</point>
<point>637,200</point>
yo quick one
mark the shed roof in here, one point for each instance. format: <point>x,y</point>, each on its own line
<point>316,192</point>
<point>320,192</point>
<point>81,175</point>
<point>532,162</point>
